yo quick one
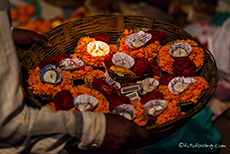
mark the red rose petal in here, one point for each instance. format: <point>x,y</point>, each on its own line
<point>63,100</point>
<point>47,61</point>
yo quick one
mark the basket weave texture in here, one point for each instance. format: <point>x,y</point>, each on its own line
<point>65,38</point>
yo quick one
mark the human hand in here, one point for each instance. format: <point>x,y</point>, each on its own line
<point>24,39</point>
<point>122,133</point>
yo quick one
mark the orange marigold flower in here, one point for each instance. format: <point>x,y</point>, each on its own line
<point>23,19</point>
<point>14,14</point>
<point>98,74</point>
<point>170,113</point>
<point>141,116</point>
<point>30,9</point>
<point>51,105</point>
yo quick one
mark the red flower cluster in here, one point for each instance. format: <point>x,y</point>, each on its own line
<point>158,36</point>
<point>156,68</point>
<point>102,87</point>
<point>151,96</point>
<point>107,61</point>
<point>62,56</point>
<point>54,61</point>
<point>151,120</point>
<point>166,78</point>
<point>119,100</point>
<point>63,100</point>
<point>143,66</point>
<point>184,67</point>
<point>102,37</point>
<point>47,61</point>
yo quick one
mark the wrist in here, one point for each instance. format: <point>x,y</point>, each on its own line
<point>94,127</point>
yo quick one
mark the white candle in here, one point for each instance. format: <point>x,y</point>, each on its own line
<point>101,48</point>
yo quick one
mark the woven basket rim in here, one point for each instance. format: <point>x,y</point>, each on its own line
<point>208,56</point>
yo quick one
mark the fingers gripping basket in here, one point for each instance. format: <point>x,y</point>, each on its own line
<point>65,38</point>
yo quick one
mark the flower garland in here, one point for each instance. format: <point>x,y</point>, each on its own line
<point>165,61</point>
<point>149,52</point>
<point>82,53</point>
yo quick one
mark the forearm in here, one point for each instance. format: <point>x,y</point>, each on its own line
<point>41,131</point>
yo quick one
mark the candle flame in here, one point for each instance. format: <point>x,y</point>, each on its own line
<point>101,48</point>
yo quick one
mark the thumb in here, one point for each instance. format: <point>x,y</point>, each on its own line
<point>39,39</point>
<point>142,133</point>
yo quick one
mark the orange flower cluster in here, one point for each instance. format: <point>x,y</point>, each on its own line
<point>52,106</point>
<point>82,53</point>
<point>189,95</point>
<point>25,12</point>
<point>49,90</point>
<point>94,74</point>
<point>165,61</point>
<point>22,14</point>
<point>149,52</point>
<point>157,77</point>
<point>170,113</point>
<point>141,116</point>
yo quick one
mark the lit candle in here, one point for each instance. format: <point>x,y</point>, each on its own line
<point>98,48</point>
<point>97,45</point>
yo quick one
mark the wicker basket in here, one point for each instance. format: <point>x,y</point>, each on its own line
<point>66,36</point>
